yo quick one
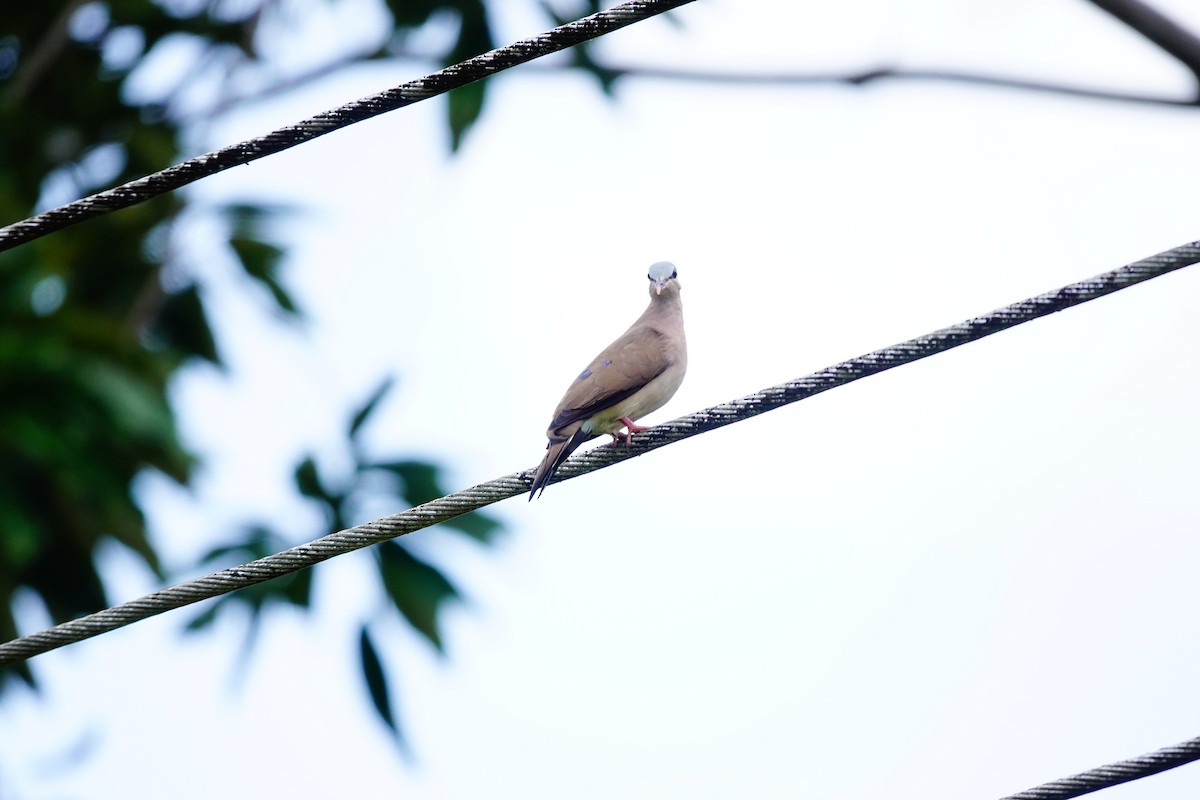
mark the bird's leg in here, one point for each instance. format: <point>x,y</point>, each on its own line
<point>631,428</point>
<point>631,425</point>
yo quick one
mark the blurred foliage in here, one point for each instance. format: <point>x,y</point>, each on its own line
<point>99,318</point>
<point>416,589</point>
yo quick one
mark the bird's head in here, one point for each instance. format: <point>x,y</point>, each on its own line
<point>662,274</point>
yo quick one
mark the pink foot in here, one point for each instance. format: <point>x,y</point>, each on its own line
<point>631,428</point>
<point>631,425</point>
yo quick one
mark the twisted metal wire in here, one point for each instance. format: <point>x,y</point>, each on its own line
<point>1116,773</point>
<point>887,358</point>
<point>444,508</point>
<point>361,536</point>
<point>452,77</point>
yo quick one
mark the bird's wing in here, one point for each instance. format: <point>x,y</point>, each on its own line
<point>623,369</point>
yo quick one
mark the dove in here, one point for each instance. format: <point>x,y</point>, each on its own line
<point>632,377</point>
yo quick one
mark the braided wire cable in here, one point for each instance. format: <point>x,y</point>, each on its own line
<point>1113,774</point>
<point>452,505</point>
<point>452,77</point>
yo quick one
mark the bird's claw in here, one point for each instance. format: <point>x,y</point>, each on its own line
<point>631,428</point>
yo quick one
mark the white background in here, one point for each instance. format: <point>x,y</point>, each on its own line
<point>955,580</point>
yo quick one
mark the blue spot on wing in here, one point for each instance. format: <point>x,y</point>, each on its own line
<point>586,373</point>
<point>607,362</point>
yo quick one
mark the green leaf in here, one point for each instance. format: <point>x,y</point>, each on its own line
<point>204,619</point>
<point>261,262</point>
<point>282,297</point>
<point>259,259</point>
<point>294,589</point>
<point>21,543</point>
<point>19,672</point>
<point>257,541</point>
<point>551,12</point>
<point>422,483</point>
<point>420,479</point>
<point>182,324</point>
<point>250,219</point>
<point>581,57</point>
<point>465,104</point>
<point>368,408</point>
<point>376,678</point>
<point>412,13</point>
<point>581,54</point>
<point>481,527</point>
<point>248,238</point>
<point>308,480</point>
<point>417,589</point>
<point>462,111</point>
<point>133,402</point>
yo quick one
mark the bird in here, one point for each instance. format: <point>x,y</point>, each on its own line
<point>632,377</point>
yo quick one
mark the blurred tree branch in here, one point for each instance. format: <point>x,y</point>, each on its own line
<point>1163,32</point>
<point>42,55</point>
<point>611,74</point>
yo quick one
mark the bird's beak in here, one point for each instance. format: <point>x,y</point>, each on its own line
<point>658,286</point>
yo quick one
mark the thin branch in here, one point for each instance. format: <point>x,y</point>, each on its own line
<point>453,505</point>
<point>861,77</point>
<point>866,76</point>
<point>1161,30</point>
<point>284,85</point>
<point>42,55</point>
<point>453,77</point>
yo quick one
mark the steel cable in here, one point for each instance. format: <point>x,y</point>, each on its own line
<point>452,77</point>
<point>1112,774</point>
<point>306,555</point>
<point>441,509</point>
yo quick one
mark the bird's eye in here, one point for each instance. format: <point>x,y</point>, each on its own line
<point>649,277</point>
<point>674,273</point>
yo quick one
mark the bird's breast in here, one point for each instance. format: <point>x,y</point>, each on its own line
<point>651,397</point>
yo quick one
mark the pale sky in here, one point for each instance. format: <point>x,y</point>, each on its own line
<point>955,580</point>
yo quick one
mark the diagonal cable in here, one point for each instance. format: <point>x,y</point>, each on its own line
<point>1113,774</point>
<point>444,508</point>
<point>1159,29</point>
<point>452,77</point>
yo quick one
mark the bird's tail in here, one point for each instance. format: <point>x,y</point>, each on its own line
<point>557,452</point>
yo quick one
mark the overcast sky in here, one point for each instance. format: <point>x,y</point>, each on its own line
<point>955,580</point>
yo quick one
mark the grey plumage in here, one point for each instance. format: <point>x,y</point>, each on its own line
<point>632,377</point>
